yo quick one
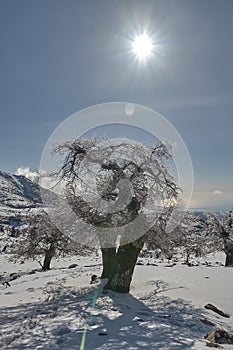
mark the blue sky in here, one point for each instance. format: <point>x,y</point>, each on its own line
<point>59,56</point>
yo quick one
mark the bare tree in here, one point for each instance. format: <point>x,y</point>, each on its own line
<point>221,226</point>
<point>189,238</point>
<point>42,237</point>
<point>159,239</point>
<point>132,174</point>
<point>192,237</point>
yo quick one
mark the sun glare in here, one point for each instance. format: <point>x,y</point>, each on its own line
<point>142,46</point>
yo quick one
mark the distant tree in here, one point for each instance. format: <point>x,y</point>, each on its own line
<point>192,237</point>
<point>41,237</point>
<point>189,238</point>
<point>158,239</point>
<point>144,167</point>
<point>221,226</point>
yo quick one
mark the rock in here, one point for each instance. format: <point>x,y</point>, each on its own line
<point>91,322</point>
<point>214,345</point>
<point>72,266</point>
<point>94,279</point>
<point>103,332</point>
<point>7,279</point>
<point>215,309</point>
<point>138,319</point>
<point>62,329</point>
<point>170,265</point>
<point>219,336</point>
<point>13,276</point>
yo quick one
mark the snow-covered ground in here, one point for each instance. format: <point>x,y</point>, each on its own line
<point>59,309</point>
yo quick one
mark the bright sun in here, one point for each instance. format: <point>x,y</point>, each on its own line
<point>142,46</point>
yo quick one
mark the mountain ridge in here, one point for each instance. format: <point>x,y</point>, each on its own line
<point>18,195</point>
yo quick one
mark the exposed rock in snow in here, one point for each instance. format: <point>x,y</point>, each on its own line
<point>219,336</point>
<point>215,309</point>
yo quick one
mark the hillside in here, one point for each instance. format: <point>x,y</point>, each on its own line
<point>18,196</point>
<point>18,192</point>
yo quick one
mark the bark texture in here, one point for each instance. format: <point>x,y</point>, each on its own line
<point>118,265</point>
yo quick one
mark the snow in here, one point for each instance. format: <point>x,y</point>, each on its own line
<point>17,191</point>
<point>57,308</point>
<point>18,197</point>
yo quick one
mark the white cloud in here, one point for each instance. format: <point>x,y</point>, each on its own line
<point>39,178</point>
<point>25,171</point>
<point>217,192</point>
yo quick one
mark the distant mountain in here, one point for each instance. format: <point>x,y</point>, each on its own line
<point>18,195</point>
<point>19,198</point>
<point>17,191</point>
<point>200,213</point>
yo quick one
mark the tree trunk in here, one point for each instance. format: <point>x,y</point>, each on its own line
<point>48,257</point>
<point>122,266</point>
<point>229,257</point>
<point>187,257</point>
<point>228,249</point>
<point>109,260</point>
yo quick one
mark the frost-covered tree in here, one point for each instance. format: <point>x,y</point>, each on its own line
<point>158,239</point>
<point>221,226</point>
<point>41,237</point>
<point>189,237</point>
<point>123,172</point>
<point>193,239</point>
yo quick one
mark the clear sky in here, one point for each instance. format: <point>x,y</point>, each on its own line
<point>59,56</point>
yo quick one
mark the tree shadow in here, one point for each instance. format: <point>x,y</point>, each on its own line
<point>154,322</point>
<point>112,321</point>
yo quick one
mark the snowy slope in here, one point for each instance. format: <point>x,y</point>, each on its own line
<point>16,191</point>
<point>19,196</point>
<point>59,309</point>
<point>165,310</point>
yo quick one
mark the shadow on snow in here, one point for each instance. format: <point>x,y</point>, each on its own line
<point>150,322</point>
